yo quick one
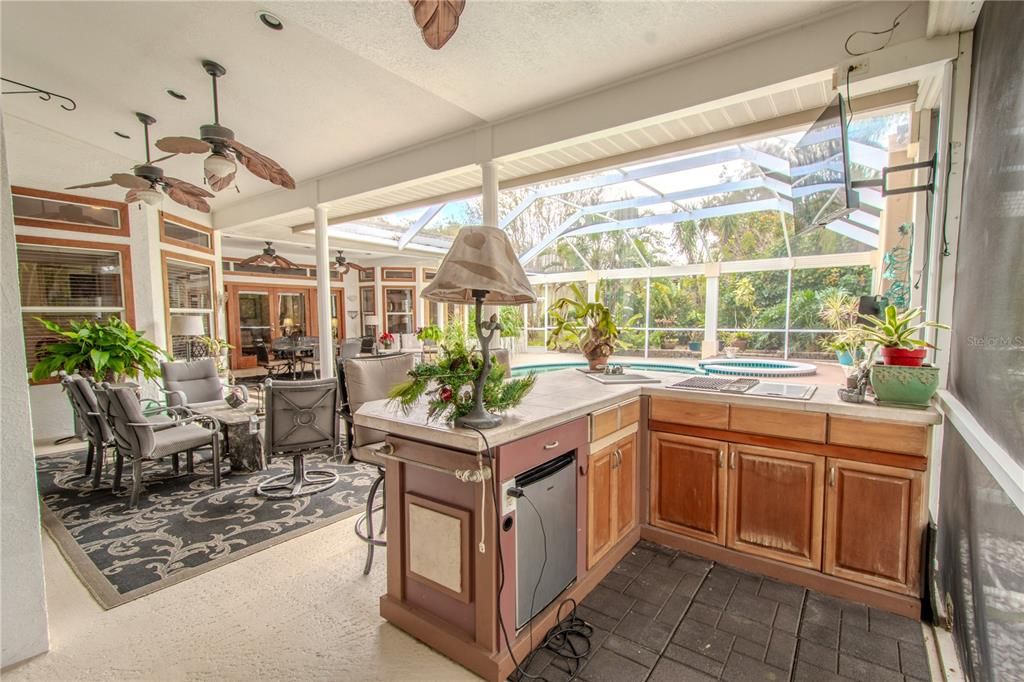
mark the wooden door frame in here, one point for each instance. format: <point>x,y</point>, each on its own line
<point>232,289</point>
<point>384,307</point>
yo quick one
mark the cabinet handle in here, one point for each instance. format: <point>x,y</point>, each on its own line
<point>552,445</point>
<point>832,476</point>
<point>732,459</point>
<point>721,459</point>
<point>616,458</point>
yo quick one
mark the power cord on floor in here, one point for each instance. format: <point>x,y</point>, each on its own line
<point>569,639</point>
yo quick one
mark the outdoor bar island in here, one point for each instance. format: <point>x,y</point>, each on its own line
<point>818,492</point>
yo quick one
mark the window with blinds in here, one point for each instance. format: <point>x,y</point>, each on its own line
<point>189,235</point>
<point>189,292</point>
<point>62,285</point>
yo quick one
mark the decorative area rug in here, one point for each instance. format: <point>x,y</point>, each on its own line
<point>183,526</point>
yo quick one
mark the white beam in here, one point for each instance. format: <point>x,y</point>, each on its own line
<point>489,192</point>
<point>323,293</point>
<point>422,222</point>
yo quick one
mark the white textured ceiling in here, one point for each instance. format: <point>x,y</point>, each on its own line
<point>344,82</point>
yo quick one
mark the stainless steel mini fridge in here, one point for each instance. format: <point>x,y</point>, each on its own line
<point>545,535</point>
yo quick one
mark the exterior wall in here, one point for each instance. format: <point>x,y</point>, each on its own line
<point>24,619</point>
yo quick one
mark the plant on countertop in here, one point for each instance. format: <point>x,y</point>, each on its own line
<point>838,309</point>
<point>105,350</point>
<point>586,325</point>
<point>897,336</point>
<point>386,339</point>
<point>448,385</point>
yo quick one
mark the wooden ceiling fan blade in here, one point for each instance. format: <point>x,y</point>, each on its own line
<point>438,20</point>
<point>193,201</point>
<point>187,187</point>
<point>100,183</point>
<point>183,145</point>
<point>262,166</point>
<point>162,158</point>
<point>132,196</point>
<point>252,260</point>
<point>284,262</point>
<point>129,181</point>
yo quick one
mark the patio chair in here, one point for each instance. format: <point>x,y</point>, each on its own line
<point>195,384</point>
<point>275,368</point>
<point>302,419</point>
<point>138,441</point>
<point>349,348</point>
<point>90,413</point>
<point>362,380</point>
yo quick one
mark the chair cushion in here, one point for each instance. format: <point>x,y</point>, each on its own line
<point>181,438</point>
<point>198,380</point>
<point>368,379</point>
<point>302,416</point>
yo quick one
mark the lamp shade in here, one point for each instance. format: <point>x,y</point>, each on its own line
<point>371,320</point>
<point>481,259</point>
<point>187,325</point>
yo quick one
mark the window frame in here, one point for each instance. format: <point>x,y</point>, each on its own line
<point>122,208</point>
<point>166,217</point>
<point>166,255</point>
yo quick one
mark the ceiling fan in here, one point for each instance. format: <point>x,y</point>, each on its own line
<point>438,20</point>
<point>219,167</point>
<point>147,179</point>
<point>269,258</point>
<point>342,265</point>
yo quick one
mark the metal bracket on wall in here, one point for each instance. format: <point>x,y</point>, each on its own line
<point>887,170</point>
<point>44,95</point>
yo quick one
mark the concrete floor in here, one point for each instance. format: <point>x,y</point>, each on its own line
<point>300,610</point>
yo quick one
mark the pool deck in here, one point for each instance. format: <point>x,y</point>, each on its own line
<point>829,373</point>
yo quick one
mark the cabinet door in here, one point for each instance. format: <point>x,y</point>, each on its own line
<point>600,505</point>
<point>874,525</point>
<point>688,486</point>
<point>625,486</point>
<point>776,500</point>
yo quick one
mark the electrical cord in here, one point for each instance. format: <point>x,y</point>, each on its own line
<point>560,638</point>
<point>889,32</point>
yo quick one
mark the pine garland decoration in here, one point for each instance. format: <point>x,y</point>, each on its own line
<point>448,385</point>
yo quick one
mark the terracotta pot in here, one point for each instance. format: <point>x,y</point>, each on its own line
<point>598,356</point>
<point>740,344</point>
<point>903,357</point>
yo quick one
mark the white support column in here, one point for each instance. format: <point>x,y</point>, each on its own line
<point>489,187</point>
<point>323,293</point>
<point>712,272</point>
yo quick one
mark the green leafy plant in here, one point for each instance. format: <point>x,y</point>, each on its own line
<point>448,385</point>
<point>837,308</point>
<point>896,330</point>
<point>430,333</point>
<point>849,340</point>
<point>586,325</point>
<point>110,349</point>
<point>511,319</point>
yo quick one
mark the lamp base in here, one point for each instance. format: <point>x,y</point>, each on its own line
<point>478,419</point>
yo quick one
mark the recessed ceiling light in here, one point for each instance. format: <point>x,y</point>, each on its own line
<point>122,135</point>
<point>270,20</point>
<point>176,95</point>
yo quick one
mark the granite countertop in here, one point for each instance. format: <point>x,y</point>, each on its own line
<point>559,397</point>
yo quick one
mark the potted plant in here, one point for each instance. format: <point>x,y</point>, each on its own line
<point>656,339</point>
<point>847,344</point>
<point>385,340</point>
<point>731,350</point>
<point>838,310</point>
<point>902,379</point>
<point>108,351</point>
<point>587,325</point>
<point>740,340</point>
<point>896,336</point>
<point>668,341</point>
<point>429,335</point>
<point>218,350</point>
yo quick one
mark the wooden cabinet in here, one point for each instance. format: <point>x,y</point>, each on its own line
<point>776,500</point>
<point>688,486</point>
<point>606,422</point>
<point>874,524</point>
<point>611,496</point>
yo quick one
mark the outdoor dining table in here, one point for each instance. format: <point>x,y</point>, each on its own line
<point>243,434</point>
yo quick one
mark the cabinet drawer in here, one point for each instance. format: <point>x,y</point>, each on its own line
<point>605,422</point>
<point>908,439</point>
<point>792,424</point>
<point>692,412</point>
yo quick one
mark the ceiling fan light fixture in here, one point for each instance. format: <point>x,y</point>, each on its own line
<point>218,165</point>
<point>152,197</point>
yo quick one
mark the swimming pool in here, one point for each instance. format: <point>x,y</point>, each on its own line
<point>652,366</point>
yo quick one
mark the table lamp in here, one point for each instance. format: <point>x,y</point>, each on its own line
<point>189,326</point>
<point>481,267</point>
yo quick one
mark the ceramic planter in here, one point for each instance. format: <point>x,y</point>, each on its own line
<point>695,346</point>
<point>845,358</point>
<point>903,357</point>
<point>904,384</point>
